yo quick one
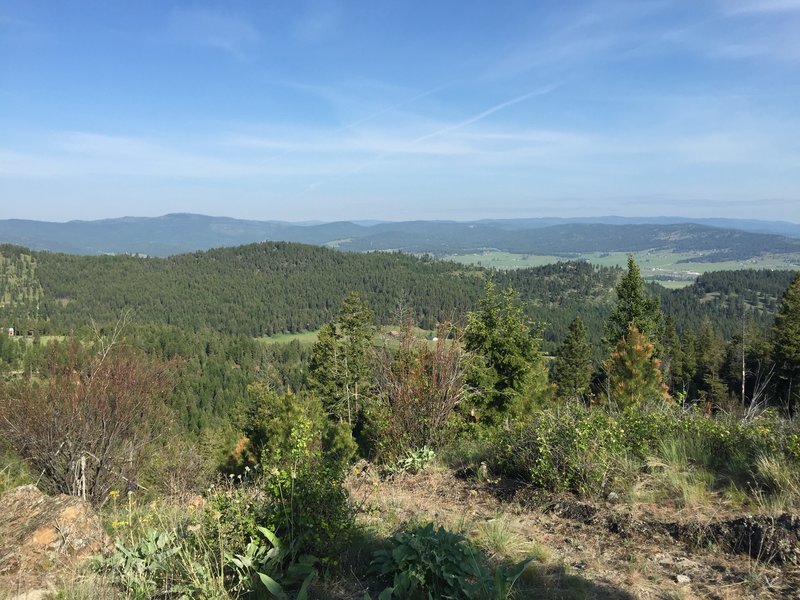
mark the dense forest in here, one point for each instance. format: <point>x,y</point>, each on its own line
<point>207,308</point>
<point>268,288</point>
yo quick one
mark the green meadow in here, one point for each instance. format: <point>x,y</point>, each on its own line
<point>663,266</point>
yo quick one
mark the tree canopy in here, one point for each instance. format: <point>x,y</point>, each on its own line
<point>634,307</point>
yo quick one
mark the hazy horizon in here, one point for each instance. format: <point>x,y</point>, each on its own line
<point>363,220</point>
<point>325,109</point>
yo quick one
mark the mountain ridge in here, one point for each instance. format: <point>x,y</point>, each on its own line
<point>179,233</point>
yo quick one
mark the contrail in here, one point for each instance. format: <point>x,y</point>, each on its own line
<point>474,119</point>
<point>540,92</point>
<point>375,115</point>
<point>419,96</point>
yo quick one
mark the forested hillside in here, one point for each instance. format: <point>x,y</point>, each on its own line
<point>253,290</point>
<point>269,288</point>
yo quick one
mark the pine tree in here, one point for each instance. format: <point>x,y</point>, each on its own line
<point>634,307</point>
<point>572,372</point>
<point>341,369</point>
<point>710,358</point>
<point>686,376</point>
<point>508,370</point>
<point>787,346</point>
<point>672,359</point>
<point>634,373</point>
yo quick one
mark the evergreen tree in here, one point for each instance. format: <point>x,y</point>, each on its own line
<point>749,353</point>
<point>787,346</point>
<point>685,378</point>
<point>634,373</point>
<point>634,307</point>
<point>341,366</point>
<point>710,358</point>
<point>673,359</point>
<point>572,372</point>
<point>508,370</point>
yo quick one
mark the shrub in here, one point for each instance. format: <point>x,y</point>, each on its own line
<point>273,418</point>
<point>88,425</point>
<point>589,451</point>
<point>310,507</point>
<point>419,388</point>
<point>570,449</point>
<point>424,562</point>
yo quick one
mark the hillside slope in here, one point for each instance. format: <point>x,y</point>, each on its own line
<point>274,287</point>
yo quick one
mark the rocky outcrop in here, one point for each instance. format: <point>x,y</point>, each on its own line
<point>42,536</point>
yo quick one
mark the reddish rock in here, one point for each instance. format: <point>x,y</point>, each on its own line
<point>42,536</point>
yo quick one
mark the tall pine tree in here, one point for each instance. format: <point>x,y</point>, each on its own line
<point>634,307</point>
<point>341,366</point>
<point>787,346</point>
<point>572,371</point>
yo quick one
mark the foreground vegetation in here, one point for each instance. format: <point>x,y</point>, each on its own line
<point>272,444</point>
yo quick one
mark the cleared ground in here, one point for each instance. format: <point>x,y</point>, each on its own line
<point>581,551</point>
<point>383,335</point>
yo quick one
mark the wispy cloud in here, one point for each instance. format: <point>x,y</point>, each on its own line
<point>743,7</point>
<point>222,31</point>
<point>490,111</point>
<point>600,32</point>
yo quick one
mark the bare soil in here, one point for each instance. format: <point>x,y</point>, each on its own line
<point>600,550</point>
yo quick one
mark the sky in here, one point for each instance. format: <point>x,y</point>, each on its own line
<point>371,109</point>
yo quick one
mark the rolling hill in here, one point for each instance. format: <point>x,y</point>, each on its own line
<point>181,233</point>
<point>276,287</point>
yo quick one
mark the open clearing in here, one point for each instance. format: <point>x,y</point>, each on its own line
<point>580,550</point>
<point>384,335</point>
<point>655,265</point>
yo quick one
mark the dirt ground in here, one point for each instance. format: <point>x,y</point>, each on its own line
<point>598,550</point>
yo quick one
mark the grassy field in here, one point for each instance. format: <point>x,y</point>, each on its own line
<point>654,265</point>
<point>307,338</point>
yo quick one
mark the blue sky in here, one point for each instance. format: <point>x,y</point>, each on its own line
<point>400,110</point>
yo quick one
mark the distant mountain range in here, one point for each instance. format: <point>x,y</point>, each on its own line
<point>716,239</point>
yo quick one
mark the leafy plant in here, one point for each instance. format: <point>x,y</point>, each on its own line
<point>424,562</point>
<point>157,566</point>
<point>263,560</point>
<point>310,507</point>
<point>415,461</point>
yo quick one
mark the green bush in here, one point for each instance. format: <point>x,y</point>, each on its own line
<point>588,451</point>
<point>310,507</point>
<point>425,563</point>
<point>415,461</point>
<point>273,417</point>
<point>572,449</point>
